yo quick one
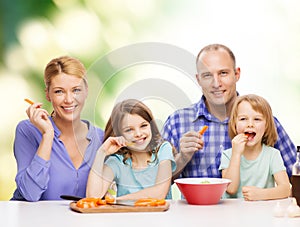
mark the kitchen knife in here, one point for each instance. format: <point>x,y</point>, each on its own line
<point>120,202</point>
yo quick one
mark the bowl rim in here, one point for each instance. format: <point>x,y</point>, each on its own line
<point>188,180</point>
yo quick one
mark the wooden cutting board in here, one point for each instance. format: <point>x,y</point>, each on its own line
<point>119,208</point>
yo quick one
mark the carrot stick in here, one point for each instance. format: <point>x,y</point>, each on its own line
<point>202,131</point>
<point>29,101</point>
<point>129,144</point>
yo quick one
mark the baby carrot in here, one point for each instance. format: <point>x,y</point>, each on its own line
<point>129,144</point>
<point>202,131</point>
<point>29,101</point>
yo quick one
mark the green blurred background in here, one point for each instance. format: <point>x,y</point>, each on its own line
<point>264,35</point>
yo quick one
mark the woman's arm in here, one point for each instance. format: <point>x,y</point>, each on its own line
<point>33,171</point>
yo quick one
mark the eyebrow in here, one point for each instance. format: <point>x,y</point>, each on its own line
<point>129,126</point>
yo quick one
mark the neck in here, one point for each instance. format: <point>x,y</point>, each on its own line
<point>140,159</point>
<point>222,111</point>
<point>68,127</point>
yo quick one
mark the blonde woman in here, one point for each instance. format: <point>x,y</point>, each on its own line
<point>54,153</point>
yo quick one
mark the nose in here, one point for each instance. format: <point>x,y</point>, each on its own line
<point>137,133</point>
<point>69,97</point>
<point>216,81</point>
<point>250,123</point>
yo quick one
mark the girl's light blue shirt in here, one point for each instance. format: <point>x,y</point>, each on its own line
<point>129,180</point>
<point>259,172</point>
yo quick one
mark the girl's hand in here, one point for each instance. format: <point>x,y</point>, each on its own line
<point>39,118</point>
<point>113,144</point>
<point>238,143</point>
<point>251,193</point>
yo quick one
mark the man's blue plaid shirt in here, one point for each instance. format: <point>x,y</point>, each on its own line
<point>205,162</point>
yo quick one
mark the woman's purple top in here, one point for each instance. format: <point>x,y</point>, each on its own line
<point>38,179</point>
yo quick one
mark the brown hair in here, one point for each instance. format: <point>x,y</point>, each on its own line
<point>64,64</point>
<point>259,104</point>
<point>132,106</point>
<point>215,47</point>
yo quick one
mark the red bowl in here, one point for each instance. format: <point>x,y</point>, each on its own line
<point>202,191</point>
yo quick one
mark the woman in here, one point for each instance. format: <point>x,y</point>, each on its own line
<point>54,153</point>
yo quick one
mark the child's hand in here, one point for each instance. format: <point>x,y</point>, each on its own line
<point>113,144</point>
<point>251,193</point>
<point>238,143</point>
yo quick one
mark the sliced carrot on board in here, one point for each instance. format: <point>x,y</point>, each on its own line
<point>150,202</point>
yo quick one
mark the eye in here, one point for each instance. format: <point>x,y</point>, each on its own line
<point>59,91</point>
<point>242,119</point>
<point>206,75</point>
<point>223,73</point>
<point>127,130</point>
<point>77,90</point>
<point>144,125</point>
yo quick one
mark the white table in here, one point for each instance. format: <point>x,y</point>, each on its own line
<point>233,212</point>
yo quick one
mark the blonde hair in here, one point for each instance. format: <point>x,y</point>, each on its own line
<point>64,64</point>
<point>259,104</point>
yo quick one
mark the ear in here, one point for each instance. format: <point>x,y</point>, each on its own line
<point>237,73</point>
<point>198,78</point>
<point>47,95</point>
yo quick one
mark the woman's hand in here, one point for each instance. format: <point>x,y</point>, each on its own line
<point>39,118</point>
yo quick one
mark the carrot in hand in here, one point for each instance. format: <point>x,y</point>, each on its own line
<point>202,131</point>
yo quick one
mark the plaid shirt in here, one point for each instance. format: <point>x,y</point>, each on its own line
<point>205,162</point>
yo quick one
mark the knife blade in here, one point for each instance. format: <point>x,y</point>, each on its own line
<point>70,197</point>
<point>120,202</point>
<point>123,202</point>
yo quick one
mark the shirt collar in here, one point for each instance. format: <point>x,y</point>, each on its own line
<point>202,111</point>
<point>57,132</point>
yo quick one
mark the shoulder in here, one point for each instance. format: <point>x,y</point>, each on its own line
<point>94,131</point>
<point>25,125</point>
<point>114,158</point>
<point>270,152</point>
<point>165,150</point>
<point>182,116</point>
<point>165,145</point>
<point>270,149</point>
<point>226,153</point>
<point>115,162</point>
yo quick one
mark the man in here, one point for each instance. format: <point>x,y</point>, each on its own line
<point>199,155</point>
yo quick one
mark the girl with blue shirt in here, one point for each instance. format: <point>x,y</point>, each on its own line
<point>54,153</point>
<point>133,155</point>
<point>254,166</point>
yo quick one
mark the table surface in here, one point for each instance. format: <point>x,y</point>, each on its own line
<point>229,212</point>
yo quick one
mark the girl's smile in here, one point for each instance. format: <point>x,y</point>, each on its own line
<point>137,131</point>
